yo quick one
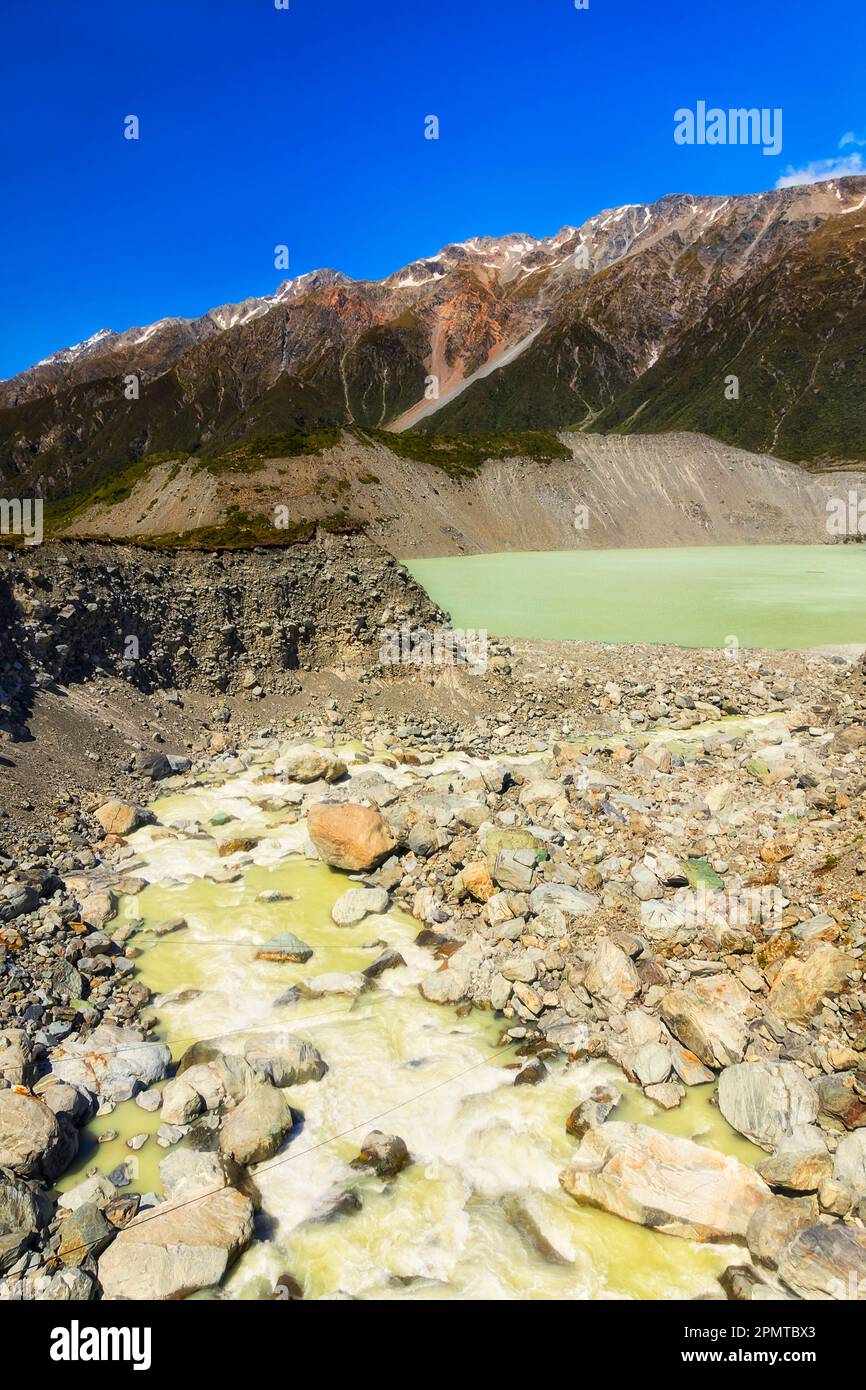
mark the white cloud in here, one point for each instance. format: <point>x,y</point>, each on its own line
<point>820,170</point>
<point>849,138</point>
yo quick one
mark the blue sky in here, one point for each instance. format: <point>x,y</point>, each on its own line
<point>305,127</point>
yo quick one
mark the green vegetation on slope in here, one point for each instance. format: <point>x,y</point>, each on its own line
<point>462,455</point>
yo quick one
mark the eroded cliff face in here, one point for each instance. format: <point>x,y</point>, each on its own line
<point>214,622</point>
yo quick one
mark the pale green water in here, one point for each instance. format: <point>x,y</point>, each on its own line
<point>774,596</point>
<point>446,1228</point>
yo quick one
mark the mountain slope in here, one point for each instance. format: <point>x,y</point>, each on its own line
<point>595,327</point>
<point>794,337</point>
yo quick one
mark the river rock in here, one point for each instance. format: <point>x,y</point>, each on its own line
<point>444,986</point>
<point>181,1103</point>
<point>84,1233</point>
<point>509,839</point>
<point>594,1110</point>
<point>349,836</point>
<point>97,1189</point>
<point>20,1210</point>
<point>709,1019</point>
<point>477,882</point>
<point>284,1059</point>
<point>285,947</point>
<point>515,869</point>
<point>33,1141</point>
<point>843,1100</point>
<point>97,908</point>
<point>775,1223</point>
<point>612,976</point>
<point>178,1247</point>
<point>114,1062</point>
<point>333,982</point>
<point>184,1171</point>
<point>573,902</point>
<point>257,1127</point>
<point>17,1062</point>
<point>849,1164</point>
<point>77,1105</point>
<point>226,1078</point>
<point>386,1154</point>
<point>651,1063</point>
<point>826,1262</point>
<point>766,1101</point>
<point>122,817</point>
<point>800,1162</point>
<point>357,903</point>
<point>390,959</point>
<point>689,1068</point>
<point>669,1184</point>
<point>308,764</point>
<point>801,984</point>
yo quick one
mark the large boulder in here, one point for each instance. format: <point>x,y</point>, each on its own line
<point>775,1223</point>
<point>284,1059</point>
<point>122,817</point>
<point>33,1141</point>
<point>800,1163</point>
<point>826,1262</point>
<point>349,836</point>
<point>669,1184</point>
<point>179,1247</point>
<point>709,1017</point>
<point>220,1078</point>
<point>611,975</point>
<point>304,763</point>
<point>257,1127</point>
<point>181,1102</point>
<point>801,984</point>
<point>114,1062</point>
<point>849,1164</point>
<point>766,1101</point>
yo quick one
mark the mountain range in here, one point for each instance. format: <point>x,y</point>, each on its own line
<point>638,321</point>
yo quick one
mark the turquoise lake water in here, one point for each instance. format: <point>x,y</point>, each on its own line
<point>782,597</point>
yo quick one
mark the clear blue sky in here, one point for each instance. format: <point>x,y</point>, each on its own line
<point>305,127</point>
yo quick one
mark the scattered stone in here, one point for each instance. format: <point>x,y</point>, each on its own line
<point>357,903</point>
<point>386,1154</point>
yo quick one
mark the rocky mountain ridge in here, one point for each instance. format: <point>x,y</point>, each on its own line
<point>512,332</point>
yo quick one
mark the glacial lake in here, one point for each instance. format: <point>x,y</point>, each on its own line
<point>783,597</point>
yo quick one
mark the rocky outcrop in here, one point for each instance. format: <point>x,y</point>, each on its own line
<point>197,621</point>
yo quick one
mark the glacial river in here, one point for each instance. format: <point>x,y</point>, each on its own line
<point>775,596</point>
<point>480,1213</point>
